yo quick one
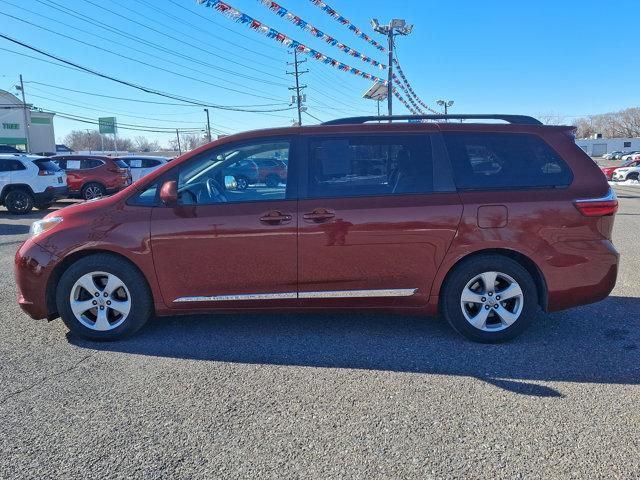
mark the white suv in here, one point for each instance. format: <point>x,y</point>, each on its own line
<point>28,181</point>
<point>631,172</point>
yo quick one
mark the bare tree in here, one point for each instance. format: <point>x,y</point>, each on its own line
<point>143,144</point>
<point>625,124</point>
<point>93,140</point>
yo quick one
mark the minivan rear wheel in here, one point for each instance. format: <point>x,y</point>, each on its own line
<point>103,297</point>
<point>489,299</point>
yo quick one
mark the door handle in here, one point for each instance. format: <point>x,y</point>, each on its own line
<point>275,217</point>
<point>319,215</point>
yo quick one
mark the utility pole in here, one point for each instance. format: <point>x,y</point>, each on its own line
<point>208,126</point>
<point>26,119</point>
<point>178,138</point>
<point>396,27</point>
<point>299,99</point>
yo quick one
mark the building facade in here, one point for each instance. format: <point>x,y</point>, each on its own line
<point>597,147</point>
<point>38,132</point>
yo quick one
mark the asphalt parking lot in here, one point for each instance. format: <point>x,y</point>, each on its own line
<point>325,396</point>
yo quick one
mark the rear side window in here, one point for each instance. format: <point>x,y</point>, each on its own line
<point>15,165</point>
<point>90,163</point>
<point>370,165</point>
<point>505,160</point>
<point>47,165</point>
<point>120,163</point>
<point>149,163</point>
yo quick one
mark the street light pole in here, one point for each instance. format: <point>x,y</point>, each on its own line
<point>208,126</point>
<point>26,119</point>
<point>446,104</point>
<point>396,26</point>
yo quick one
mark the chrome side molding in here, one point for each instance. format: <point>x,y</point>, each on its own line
<point>249,296</point>
<point>397,292</point>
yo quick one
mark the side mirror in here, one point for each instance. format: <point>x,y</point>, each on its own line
<point>169,193</point>
<point>230,182</point>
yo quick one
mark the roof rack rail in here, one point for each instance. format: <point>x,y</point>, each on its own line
<point>515,119</point>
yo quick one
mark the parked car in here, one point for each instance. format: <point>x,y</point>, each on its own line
<point>373,215</point>
<point>28,181</point>
<point>271,172</point>
<point>245,172</point>
<point>141,166</point>
<point>612,155</point>
<point>9,149</point>
<point>627,172</point>
<point>629,155</point>
<point>608,171</point>
<point>90,177</point>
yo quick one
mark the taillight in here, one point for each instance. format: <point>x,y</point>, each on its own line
<point>598,207</point>
<point>43,173</point>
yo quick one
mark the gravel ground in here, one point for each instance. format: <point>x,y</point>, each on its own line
<point>325,396</point>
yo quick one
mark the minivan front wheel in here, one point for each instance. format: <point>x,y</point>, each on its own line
<point>103,297</point>
<point>490,299</point>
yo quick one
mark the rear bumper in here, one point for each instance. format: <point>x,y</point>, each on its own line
<point>32,268</point>
<point>50,195</point>
<point>579,272</point>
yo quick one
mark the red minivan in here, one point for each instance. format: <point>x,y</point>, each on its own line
<point>485,223</point>
<point>92,177</point>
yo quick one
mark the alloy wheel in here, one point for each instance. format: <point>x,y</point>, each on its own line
<point>492,301</point>
<point>93,191</point>
<point>100,301</point>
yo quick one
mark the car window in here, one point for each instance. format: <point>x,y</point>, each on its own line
<point>4,166</point>
<point>149,163</point>
<point>89,163</point>
<point>146,197</point>
<point>367,165</point>
<point>120,163</point>
<point>47,165</point>
<point>15,165</point>
<point>504,160</point>
<point>202,180</point>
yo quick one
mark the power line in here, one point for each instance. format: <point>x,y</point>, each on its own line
<point>129,47</point>
<point>83,42</point>
<point>144,101</point>
<point>210,20</point>
<point>117,80</point>
<point>156,7</point>
<point>167,35</point>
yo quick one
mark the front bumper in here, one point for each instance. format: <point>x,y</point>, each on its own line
<point>50,195</point>
<point>32,268</point>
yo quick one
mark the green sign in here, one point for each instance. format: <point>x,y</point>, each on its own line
<point>11,126</point>
<point>107,125</point>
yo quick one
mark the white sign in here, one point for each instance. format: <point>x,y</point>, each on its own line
<point>73,164</point>
<point>135,163</point>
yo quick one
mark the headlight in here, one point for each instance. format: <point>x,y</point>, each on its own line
<point>44,225</point>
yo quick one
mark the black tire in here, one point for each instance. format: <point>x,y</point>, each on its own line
<point>93,190</point>
<point>272,180</point>
<point>140,296</point>
<point>46,206</point>
<point>465,272</point>
<point>19,201</point>
<point>242,182</point>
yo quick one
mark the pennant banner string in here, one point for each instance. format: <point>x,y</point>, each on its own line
<point>306,26</point>
<point>409,91</point>
<point>336,16</point>
<point>279,37</point>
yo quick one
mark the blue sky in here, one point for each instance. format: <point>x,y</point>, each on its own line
<point>567,58</point>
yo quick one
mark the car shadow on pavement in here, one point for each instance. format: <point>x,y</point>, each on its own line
<point>597,343</point>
